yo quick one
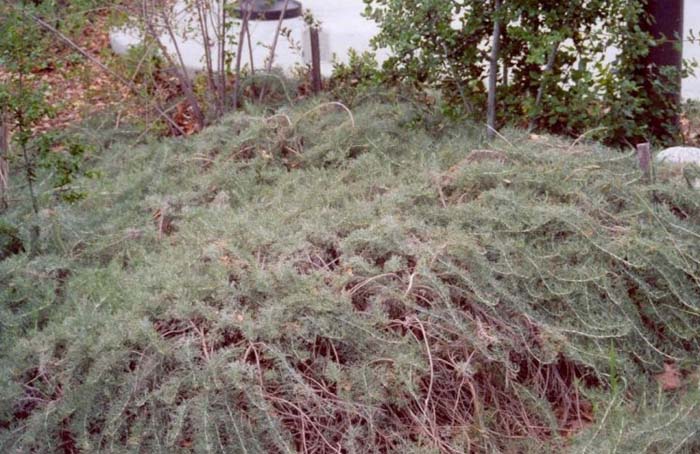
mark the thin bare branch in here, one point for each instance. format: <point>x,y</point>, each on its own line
<point>181,70</point>
<point>493,70</point>
<point>273,47</point>
<point>134,89</point>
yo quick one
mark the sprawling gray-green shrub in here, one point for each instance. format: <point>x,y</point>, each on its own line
<point>310,282</point>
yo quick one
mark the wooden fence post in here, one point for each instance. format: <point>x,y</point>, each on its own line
<point>316,84</point>
<point>644,158</point>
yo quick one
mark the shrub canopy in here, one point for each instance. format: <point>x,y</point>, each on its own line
<point>314,282</point>
<point>552,69</point>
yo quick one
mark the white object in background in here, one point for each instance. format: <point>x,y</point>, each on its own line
<point>679,155</point>
<point>324,43</point>
<point>345,27</point>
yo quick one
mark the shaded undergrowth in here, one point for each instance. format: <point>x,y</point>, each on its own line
<point>318,281</point>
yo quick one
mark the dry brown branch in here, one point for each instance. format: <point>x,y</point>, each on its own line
<point>203,339</point>
<point>4,165</point>
<point>273,47</point>
<point>239,53</point>
<point>332,103</point>
<point>200,8</point>
<point>358,286</point>
<point>583,136</point>
<point>180,68</point>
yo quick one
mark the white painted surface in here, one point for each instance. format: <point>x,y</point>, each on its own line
<point>691,19</point>
<point>343,28</point>
<point>680,155</point>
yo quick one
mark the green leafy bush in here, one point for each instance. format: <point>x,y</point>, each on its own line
<point>352,79</point>
<point>551,73</point>
<point>24,50</point>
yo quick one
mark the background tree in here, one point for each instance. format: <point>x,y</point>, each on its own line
<point>552,74</point>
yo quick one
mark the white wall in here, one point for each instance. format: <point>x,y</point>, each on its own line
<point>691,86</point>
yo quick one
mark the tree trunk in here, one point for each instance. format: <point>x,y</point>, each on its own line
<point>493,71</point>
<point>551,60</point>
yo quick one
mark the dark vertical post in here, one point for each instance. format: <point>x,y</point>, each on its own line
<point>315,61</point>
<point>664,22</point>
<point>4,156</point>
<point>644,158</point>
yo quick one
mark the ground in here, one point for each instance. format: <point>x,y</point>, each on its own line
<point>78,89</point>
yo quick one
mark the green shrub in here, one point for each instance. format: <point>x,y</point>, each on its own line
<point>353,79</point>
<point>10,242</point>
<point>330,282</point>
<point>551,76</point>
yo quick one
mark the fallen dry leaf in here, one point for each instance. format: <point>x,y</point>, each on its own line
<point>77,89</point>
<point>670,378</point>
